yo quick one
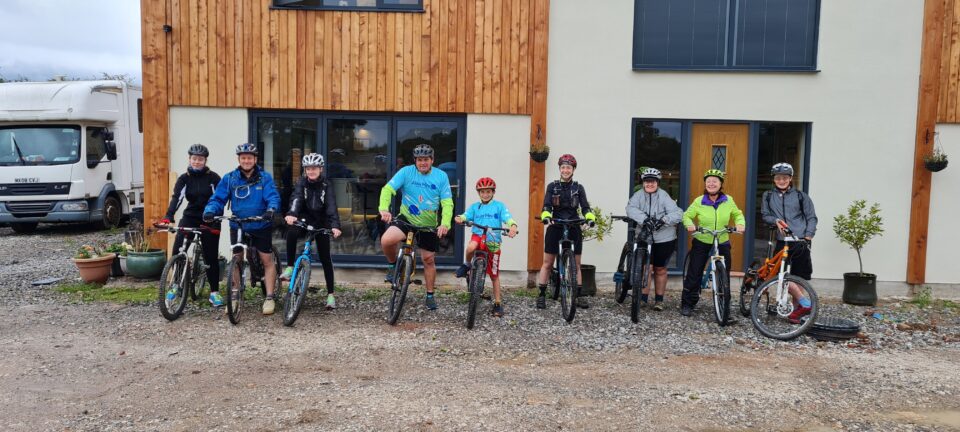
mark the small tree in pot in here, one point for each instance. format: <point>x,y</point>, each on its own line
<point>855,228</point>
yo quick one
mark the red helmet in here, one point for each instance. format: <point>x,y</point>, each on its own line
<point>567,159</point>
<point>486,183</point>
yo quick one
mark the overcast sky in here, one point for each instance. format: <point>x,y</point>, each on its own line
<point>77,38</point>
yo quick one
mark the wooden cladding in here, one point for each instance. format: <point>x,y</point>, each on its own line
<point>464,56</point>
<point>949,102</point>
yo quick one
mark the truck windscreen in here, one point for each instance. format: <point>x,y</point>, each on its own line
<point>39,145</point>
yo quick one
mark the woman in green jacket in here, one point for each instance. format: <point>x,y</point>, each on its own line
<point>712,210</point>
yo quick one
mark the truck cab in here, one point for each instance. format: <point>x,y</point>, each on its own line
<point>69,152</point>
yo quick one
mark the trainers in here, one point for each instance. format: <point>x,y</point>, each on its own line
<point>216,299</point>
<point>582,303</point>
<point>268,306</point>
<point>794,316</point>
<point>658,306</point>
<point>431,302</point>
<point>287,273</point>
<point>686,311</point>
<point>542,301</point>
<point>331,302</point>
<point>462,270</point>
<point>389,276</point>
<point>497,310</point>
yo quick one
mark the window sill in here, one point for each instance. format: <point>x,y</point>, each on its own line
<point>708,69</point>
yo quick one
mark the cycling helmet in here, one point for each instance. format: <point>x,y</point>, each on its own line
<point>714,173</point>
<point>486,183</point>
<point>312,160</point>
<point>567,159</point>
<point>650,173</point>
<point>198,150</point>
<point>423,150</point>
<point>782,168</point>
<point>248,148</point>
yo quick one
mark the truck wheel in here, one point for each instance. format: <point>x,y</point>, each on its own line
<point>112,212</point>
<point>23,227</point>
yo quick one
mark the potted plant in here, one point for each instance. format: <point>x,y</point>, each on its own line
<point>855,229</point>
<point>125,248</point>
<point>604,224</point>
<point>116,249</point>
<point>539,151</point>
<point>143,262</point>
<point>94,263</point>
<point>935,161</point>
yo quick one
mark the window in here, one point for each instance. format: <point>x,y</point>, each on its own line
<point>140,115</point>
<point>726,34</point>
<point>779,142</point>
<point>384,5</point>
<point>657,144</point>
<point>96,145</point>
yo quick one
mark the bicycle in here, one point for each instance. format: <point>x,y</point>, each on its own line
<point>638,266</point>
<point>478,270</point>
<point>403,270</point>
<point>758,273</point>
<point>245,255</point>
<point>623,276</point>
<point>564,275</point>
<point>296,292</point>
<point>715,275</point>
<point>772,316</point>
<point>185,272</point>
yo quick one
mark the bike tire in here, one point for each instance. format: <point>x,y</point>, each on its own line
<point>401,282</point>
<point>278,270</point>
<point>173,273</point>
<point>236,289</point>
<point>198,280</point>
<point>639,279</point>
<point>568,285</point>
<point>478,275</point>
<point>721,295</point>
<point>622,287</point>
<point>770,322</point>
<point>296,293</point>
<point>555,283</point>
<point>746,294</point>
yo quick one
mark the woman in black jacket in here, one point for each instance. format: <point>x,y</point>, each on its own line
<point>196,186</point>
<point>313,200</point>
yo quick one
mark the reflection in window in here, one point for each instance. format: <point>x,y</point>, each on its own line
<point>658,146</point>
<point>779,142</point>
<point>96,146</point>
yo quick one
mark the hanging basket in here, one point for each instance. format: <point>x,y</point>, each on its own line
<point>539,156</point>
<point>935,166</point>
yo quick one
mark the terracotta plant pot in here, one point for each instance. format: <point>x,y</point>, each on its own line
<point>146,265</point>
<point>95,270</point>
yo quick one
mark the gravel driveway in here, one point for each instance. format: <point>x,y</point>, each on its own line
<point>104,366</point>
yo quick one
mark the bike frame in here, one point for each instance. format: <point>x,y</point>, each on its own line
<point>482,247</point>
<point>784,306</point>
<point>312,234</point>
<point>715,256</point>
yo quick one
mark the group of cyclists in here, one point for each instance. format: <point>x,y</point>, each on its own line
<point>426,201</point>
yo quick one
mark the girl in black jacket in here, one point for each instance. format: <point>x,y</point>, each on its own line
<point>313,200</point>
<point>196,186</point>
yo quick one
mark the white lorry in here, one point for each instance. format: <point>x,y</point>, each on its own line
<point>70,151</point>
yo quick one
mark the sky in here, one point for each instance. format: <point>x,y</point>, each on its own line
<point>77,38</point>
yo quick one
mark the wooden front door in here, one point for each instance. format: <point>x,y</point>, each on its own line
<point>724,147</point>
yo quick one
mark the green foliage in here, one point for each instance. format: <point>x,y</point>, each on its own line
<point>924,298</point>
<point>375,294</point>
<point>95,250</point>
<point>99,293</point>
<point>603,227</point>
<point>858,226</point>
<point>937,155</point>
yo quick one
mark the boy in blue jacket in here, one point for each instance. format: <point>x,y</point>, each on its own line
<point>251,192</point>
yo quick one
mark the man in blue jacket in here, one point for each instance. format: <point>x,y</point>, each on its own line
<point>251,192</point>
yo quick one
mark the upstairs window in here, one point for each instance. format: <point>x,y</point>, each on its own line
<point>726,34</point>
<point>363,5</point>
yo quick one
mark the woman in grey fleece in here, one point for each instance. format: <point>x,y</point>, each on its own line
<point>653,202</point>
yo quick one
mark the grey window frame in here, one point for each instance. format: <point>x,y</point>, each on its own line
<point>380,7</point>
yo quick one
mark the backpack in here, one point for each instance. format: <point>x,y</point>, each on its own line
<point>768,194</point>
<point>574,193</point>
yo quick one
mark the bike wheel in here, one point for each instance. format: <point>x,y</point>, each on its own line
<point>772,319</point>
<point>198,280</point>
<point>555,283</point>
<point>721,294</point>
<point>236,288</point>
<point>278,270</point>
<point>401,282</point>
<point>639,279</point>
<point>296,293</point>
<point>478,275</point>
<point>746,293</point>
<point>622,286</point>
<point>568,285</point>
<point>172,279</point>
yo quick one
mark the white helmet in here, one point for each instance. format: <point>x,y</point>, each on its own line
<point>313,160</point>
<point>650,173</point>
<point>782,168</point>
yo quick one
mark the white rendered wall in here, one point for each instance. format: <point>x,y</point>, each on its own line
<point>944,207</point>
<point>862,105</point>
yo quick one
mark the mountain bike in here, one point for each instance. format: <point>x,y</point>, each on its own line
<point>245,257</point>
<point>478,269</point>
<point>185,273</point>
<point>296,291</point>
<point>775,308</point>
<point>564,275</point>
<point>404,269</point>
<point>715,275</point>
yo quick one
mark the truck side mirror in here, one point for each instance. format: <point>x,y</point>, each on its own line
<point>111,148</point>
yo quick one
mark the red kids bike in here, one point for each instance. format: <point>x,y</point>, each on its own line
<point>485,261</point>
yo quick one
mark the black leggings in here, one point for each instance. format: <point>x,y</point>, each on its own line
<point>699,255</point>
<point>323,251</point>
<point>211,245</point>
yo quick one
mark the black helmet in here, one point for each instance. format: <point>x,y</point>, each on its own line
<point>423,150</point>
<point>198,150</point>
<point>247,148</point>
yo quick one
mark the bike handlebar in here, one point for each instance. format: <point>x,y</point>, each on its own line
<point>176,229</point>
<point>579,221</point>
<point>731,230</point>
<point>483,227</point>
<point>239,219</point>
<point>310,228</point>
<point>412,226</point>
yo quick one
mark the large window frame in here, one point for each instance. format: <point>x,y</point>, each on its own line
<point>731,44</point>
<point>377,261</point>
<point>381,6</point>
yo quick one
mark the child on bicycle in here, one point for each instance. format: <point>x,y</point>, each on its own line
<point>197,186</point>
<point>251,192</point>
<point>491,213</point>
<point>313,200</point>
<point>712,210</point>
<point>785,205</point>
<point>561,200</point>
